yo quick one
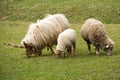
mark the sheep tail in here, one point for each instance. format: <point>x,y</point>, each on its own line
<point>13,45</point>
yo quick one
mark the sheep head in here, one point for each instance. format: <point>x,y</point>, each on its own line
<point>28,49</point>
<point>59,53</point>
<point>109,47</point>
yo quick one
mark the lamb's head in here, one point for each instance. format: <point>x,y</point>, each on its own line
<point>29,50</point>
<point>59,53</point>
<point>108,48</point>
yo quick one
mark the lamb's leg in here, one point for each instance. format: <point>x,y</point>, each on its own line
<point>69,50</point>
<point>62,54</point>
<point>89,48</point>
<point>74,48</point>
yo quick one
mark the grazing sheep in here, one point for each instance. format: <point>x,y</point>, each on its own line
<point>66,39</point>
<point>43,34</point>
<point>93,32</point>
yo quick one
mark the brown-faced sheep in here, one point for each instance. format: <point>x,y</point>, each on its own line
<point>43,34</point>
<point>93,32</point>
<point>66,40</point>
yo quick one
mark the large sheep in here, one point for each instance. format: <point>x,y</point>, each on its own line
<point>93,32</point>
<point>66,39</point>
<point>43,34</point>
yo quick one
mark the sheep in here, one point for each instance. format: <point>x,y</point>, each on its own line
<point>66,40</point>
<point>93,32</point>
<point>59,19</point>
<point>43,34</point>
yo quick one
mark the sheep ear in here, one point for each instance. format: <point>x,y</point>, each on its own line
<point>107,46</point>
<point>25,44</point>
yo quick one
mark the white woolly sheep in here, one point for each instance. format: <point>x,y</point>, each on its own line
<point>66,39</point>
<point>43,34</point>
<point>93,32</point>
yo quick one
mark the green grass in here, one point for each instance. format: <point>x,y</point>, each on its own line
<point>15,17</point>
<point>108,11</point>
<point>14,65</point>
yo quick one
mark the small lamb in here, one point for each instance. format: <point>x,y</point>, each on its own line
<point>66,39</point>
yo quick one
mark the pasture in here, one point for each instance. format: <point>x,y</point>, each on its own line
<point>14,65</point>
<point>107,11</point>
<point>15,17</point>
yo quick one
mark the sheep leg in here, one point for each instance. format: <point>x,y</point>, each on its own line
<point>89,48</point>
<point>74,48</point>
<point>97,50</point>
<point>51,50</point>
<point>48,48</point>
<point>38,53</point>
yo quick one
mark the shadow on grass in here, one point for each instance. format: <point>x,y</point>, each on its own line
<point>77,55</point>
<point>43,55</point>
<point>92,54</point>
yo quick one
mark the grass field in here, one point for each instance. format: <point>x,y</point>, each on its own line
<point>14,65</point>
<point>108,11</point>
<point>15,17</point>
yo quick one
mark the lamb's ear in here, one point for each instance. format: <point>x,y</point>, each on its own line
<point>107,46</point>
